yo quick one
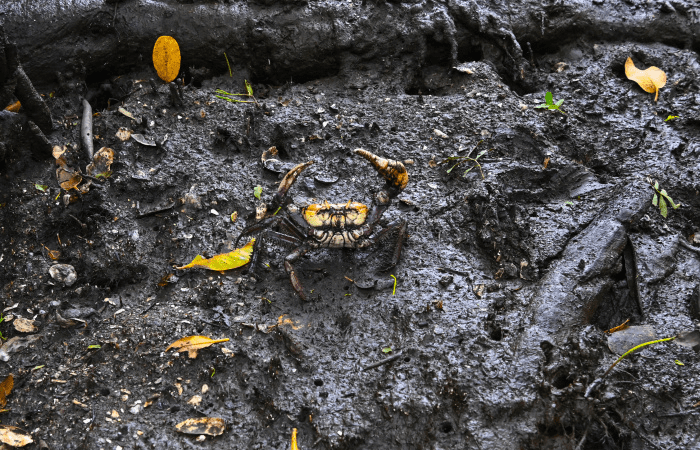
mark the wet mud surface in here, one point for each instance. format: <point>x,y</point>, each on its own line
<point>491,327</point>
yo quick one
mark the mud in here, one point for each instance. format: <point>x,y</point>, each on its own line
<point>491,327</point>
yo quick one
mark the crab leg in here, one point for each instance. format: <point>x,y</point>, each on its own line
<point>293,278</point>
<point>400,228</point>
<point>394,172</point>
<point>287,183</point>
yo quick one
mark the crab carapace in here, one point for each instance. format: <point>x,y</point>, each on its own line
<point>330,225</point>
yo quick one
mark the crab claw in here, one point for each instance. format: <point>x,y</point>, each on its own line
<point>394,172</point>
<point>288,181</point>
<point>294,279</point>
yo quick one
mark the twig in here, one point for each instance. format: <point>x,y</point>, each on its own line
<point>384,361</point>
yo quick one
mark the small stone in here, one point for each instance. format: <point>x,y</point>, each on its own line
<point>136,409</point>
<point>446,280</point>
<point>63,273</point>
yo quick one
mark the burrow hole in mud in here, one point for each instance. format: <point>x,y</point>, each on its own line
<point>446,427</point>
<point>318,382</point>
<point>439,54</point>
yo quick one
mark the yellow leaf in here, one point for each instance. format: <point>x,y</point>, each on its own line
<point>166,58</point>
<point>651,79</point>
<point>191,344</point>
<point>16,437</point>
<point>224,261</point>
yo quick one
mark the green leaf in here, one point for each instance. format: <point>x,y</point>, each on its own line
<point>679,363</point>
<point>483,152</point>
<point>94,346</point>
<point>655,200</point>
<point>248,88</point>
<point>559,103</point>
<point>543,105</point>
<point>386,350</point>
<point>41,187</point>
<point>662,207</point>
<point>656,185</point>
<point>257,192</point>
<point>549,98</point>
<point>664,193</point>
<point>670,118</point>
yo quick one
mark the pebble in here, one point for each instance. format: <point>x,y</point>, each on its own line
<point>63,273</point>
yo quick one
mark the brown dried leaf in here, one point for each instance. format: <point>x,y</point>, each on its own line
<point>212,426</point>
<point>294,439</point>
<point>16,437</point>
<point>192,344</point>
<point>58,151</point>
<point>651,79</point>
<point>5,389</point>
<point>101,162</point>
<point>67,177</point>
<point>166,58</point>
<point>124,134</point>
<point>24,325</point>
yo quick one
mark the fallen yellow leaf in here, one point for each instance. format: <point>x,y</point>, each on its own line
<point>225,261</point>
<point>651,79</point>
<point>166,58</point>
<point>14,107</point>
<point>192,344</point>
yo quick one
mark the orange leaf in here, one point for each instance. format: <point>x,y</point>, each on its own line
<point>166,58</point>
<point>651,79</point>
<point>224,261</point>
<point>191,344</point>
<point>14,107</point>
<point>5,389</point>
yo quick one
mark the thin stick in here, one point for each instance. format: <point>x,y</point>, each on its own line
<point>86,130</point>
<point>384,361</point>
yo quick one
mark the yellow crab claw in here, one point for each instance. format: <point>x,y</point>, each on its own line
<point>393,171</point>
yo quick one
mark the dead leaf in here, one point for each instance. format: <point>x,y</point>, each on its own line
<point>58,151</point>
<point>192,344</point>
<point>67,177</point>
<point>101,162</point>
<point>5,389</point>
<point>24,325</point>
<point>224,261</point>
<point>195,400</point>
<point>16,437</point>
<point>166,58</point>
<point>651,79</point>
<point>14,107</point>
<point>124,134</point>
<point>212,426</point>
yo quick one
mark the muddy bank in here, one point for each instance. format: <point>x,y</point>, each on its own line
<point>512,272</point>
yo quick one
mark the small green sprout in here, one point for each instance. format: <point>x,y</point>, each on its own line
<point>569,203</point>
<point>467,158</point>
<point>227,95</point>
<point>660,199</point>
<point>679,363</point>
<point>2,319</point>
<point>387,350</point>
<point>257,191</point>
<point>394,292</point>
<point>104,174</point>
<point>550,104</point>
<point>41,187</point>
<point>669,118</point>
<point>94,346</point>
<point>213,369</point>
<point>230,75</point>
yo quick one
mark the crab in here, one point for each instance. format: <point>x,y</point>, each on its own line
<point>350,225</point>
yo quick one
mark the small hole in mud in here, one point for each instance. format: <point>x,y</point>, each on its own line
<point>407,359</point>
<point>318,382</point>
<point>496,333</point>
<point>446,427</point>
